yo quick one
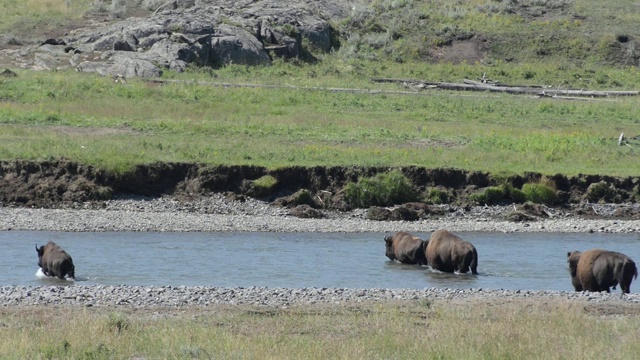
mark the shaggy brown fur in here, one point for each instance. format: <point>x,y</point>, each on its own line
<point>406,248</point>
<point>54,261</point>
<point>573,258</point>
<point>599,270</point>
<point>449,253</point>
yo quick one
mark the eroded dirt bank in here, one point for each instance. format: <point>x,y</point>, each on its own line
<point>50,184</point>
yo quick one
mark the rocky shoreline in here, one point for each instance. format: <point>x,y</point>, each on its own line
<point>184,296</point>
<point>219,213</point>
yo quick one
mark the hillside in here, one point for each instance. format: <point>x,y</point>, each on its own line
<point>572,34</point>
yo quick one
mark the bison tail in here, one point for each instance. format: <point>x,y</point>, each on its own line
<point>629,269</point>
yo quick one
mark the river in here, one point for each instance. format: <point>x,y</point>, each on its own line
<point>526,261</point>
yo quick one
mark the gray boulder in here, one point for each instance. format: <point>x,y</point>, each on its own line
<point>233,45</point>
<point>130,67</point>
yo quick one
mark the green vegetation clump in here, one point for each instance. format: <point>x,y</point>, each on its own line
<point>489,196</point>
<point>384,189</point>
<point>102,193</point>
<point>260,187</point>
<point>438,196</point>
<point>497,195</point>
<point>540,193</point>
<point>303,197</point>
<point>266,181</point>
<point>602,192</point>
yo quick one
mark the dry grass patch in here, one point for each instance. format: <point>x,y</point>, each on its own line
<point>461,329</point>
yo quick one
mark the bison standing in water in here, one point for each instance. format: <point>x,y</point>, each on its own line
<point>406,248</point>
<point>448,253</point>
<point>599,270</point>
<point>54,261</point>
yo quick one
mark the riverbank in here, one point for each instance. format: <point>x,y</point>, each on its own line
<point>461,328</point>
<point>221,213</point>
<point>195,296</point>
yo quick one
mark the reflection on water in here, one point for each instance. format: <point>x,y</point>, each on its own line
<point>531,261</point>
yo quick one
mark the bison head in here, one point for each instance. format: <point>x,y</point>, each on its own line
<point>40,251</point>
<point>572,259</point>
<point>388,242</point>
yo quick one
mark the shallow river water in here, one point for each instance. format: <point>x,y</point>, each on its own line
<point>527,261</point>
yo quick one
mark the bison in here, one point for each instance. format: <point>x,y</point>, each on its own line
<point>448,253</point>
<point>406,248</point>
<point>599,270</point>
<point>54,261</point>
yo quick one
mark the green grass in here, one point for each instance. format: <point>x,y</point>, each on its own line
<point>21,18</point>
<point>95,121</point>
<point>553,329</point>
<point>92,120</point>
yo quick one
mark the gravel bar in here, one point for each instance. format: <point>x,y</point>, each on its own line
<point>217,213</point>
<point>181,296</point>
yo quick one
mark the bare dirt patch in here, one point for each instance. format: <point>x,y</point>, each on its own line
<point>469,51</point>
<point>90,131</point>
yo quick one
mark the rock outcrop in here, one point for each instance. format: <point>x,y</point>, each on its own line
<point>183,32</point>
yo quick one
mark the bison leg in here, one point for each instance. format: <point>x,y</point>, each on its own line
<point>462,269</point>
<point>625,286</point>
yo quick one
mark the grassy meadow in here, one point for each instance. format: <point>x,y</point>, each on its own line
<point>91,119</point>
<point>472,329</point>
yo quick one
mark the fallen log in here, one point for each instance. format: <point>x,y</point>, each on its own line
<point>470,85</point>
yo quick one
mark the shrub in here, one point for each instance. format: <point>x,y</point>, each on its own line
<point>495,195</point>
<point>266,181</point>
<point>384,189</point>
<point>516,195</point>
<point>602,192</point>
<point>540,193</point>
<point>260,187</point>
<point>489,196</point>
<point>438,196</point>
<point>101,193</point>
<point>303,197</point>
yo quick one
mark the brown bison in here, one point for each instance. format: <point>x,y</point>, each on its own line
<point>406,248</point>
<point>598,270</point>
<point>447,252</point>
<point>54,261</point>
